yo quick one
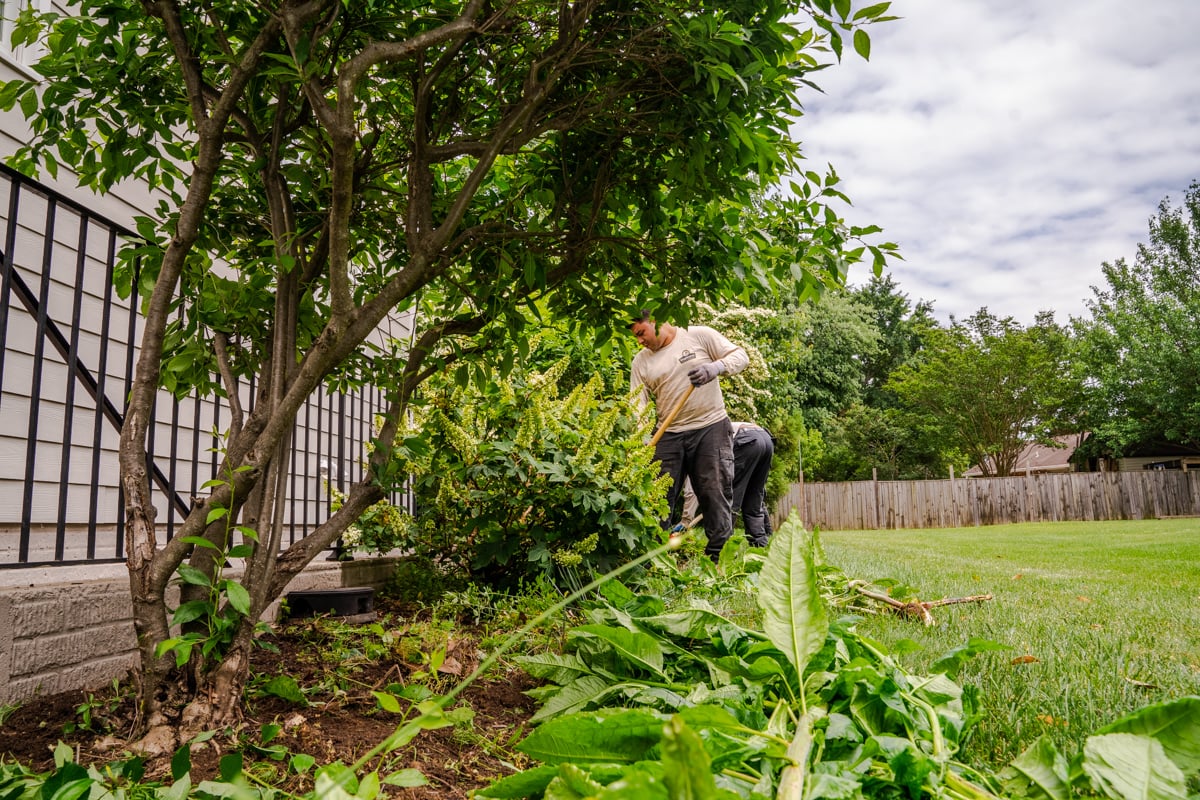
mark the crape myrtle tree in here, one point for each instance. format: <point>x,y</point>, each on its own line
<point>989,386</point>
<point>1140,348</point>
<point>323,164</point>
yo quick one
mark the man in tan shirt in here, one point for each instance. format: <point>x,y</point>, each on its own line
<point>698,444</point>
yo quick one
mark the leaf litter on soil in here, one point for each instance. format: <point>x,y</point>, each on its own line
<point>338,725</point>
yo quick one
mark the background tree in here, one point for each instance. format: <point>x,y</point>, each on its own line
<point>324,164</point>
<point>874,436</point>
<point>1140,349</point>
<point>990,387</point>
<point>902,327</point>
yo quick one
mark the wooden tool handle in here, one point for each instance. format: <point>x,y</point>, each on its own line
<point>662,428</point>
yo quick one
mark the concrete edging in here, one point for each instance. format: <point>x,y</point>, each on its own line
<point>64,628</point>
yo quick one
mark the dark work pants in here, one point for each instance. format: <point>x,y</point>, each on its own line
<point>705,456</point>
<point>752,453</point>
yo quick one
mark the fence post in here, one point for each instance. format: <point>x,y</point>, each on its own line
<point>875,486</point>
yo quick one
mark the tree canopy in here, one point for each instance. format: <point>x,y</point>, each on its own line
<point>1139,353</point>
<point>990,387</point>
<point>324,164</point>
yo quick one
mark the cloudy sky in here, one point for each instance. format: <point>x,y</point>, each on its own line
<point>1011,146</point>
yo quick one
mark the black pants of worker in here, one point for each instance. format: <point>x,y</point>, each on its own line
<point>705,456</point>
<point>752,453</point>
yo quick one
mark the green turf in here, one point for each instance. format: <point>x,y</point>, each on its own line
<point>1102,618</point>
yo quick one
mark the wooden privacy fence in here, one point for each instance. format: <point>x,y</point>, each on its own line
<point>962,502</point>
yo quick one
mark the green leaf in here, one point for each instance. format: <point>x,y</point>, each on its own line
<point>286,687</point>
<point>68,790</point>
<point>870,12</point>
<point>794,616</point>
<point>862,43</point>
<point>189,574</point>
<point>368,786</point>
<point>181,762</point>
<point>622,736</point>
<point>215,514</point>
<point>687,767</point>
<point>301,763</point>
<point>572,783</point>
<point>1039,773</point>
<point>640,649</point>
<point>329,788</point>
<point>692,623</point>
<point>239,598</point>
<point>220,789</point>
<point>519,786</point>
<point>388,702</point>
<point>1132,767</point>
<point>1176,726</point>
<point>200,541</point>
<point>573,697</point>
<point>560,669</point>
<point>190,611</point>
<point>230,766</point>
<point>406,778</point>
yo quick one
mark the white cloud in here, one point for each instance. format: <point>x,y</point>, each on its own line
<point>1012,147</point>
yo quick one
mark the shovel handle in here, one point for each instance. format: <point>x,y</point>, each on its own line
<point>662,428</point>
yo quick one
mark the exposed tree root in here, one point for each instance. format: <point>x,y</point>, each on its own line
<point>916,609</point>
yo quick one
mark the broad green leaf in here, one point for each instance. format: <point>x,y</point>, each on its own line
<point>190,574</point>
<point>686,765</point>
<point>200,541</point>
<point>573,697</point>
<point>68,790</point>
<point>286,687</point>
<point>862,43</point>
<point>1132,767</point>
<point>794,615</point>
<point>623,736</point>
<point>223,789</point>
<point>640,649</point>
<point>1039,773</point>
<point>572,783</point>
<point>368,786</point>
<point>388,702</point>
<point>181,789</point>
<point>560,669</point>
<point>181,762</point>
<point>711,718</point>
<point>191,610</point>
<point>327,788</point>
<point>1176,726</point>
<point>692,623</point>
<point>239,598</point>
<point>301,763</point>
<point>407,778</point>
<point>523,784</point>
<point>230,765</point>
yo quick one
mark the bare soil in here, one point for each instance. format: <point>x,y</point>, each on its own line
<point>340,723</point>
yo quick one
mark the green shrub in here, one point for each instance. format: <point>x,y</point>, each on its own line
<point>516,481</point>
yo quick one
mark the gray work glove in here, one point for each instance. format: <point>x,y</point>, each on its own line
<point>702,374</point>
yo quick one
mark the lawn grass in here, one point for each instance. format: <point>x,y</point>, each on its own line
<point>1102,618</point>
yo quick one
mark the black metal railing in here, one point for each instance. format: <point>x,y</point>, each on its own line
<point>63,329</point>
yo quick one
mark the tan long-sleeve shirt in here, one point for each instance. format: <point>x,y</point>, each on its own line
<point>662,376</point>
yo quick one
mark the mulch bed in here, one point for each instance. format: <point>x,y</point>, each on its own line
<point>340,727</point>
